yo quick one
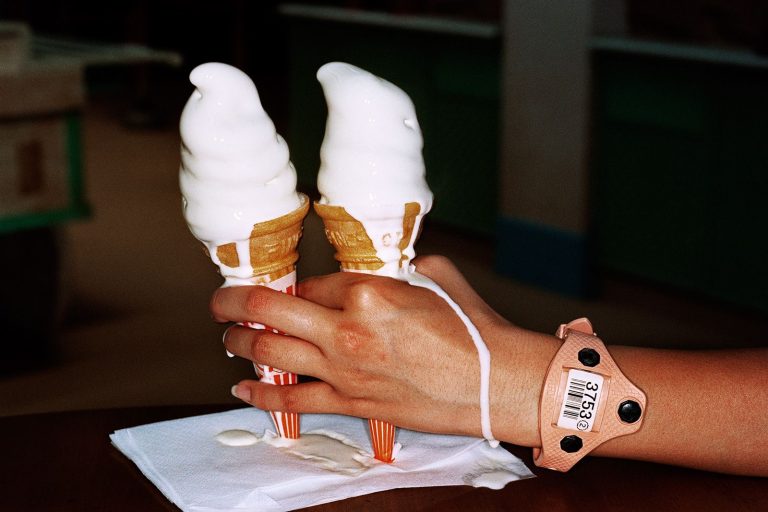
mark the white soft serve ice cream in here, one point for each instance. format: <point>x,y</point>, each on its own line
<point>235,169</point>
<point>372,165</point>
<point>371,154</point>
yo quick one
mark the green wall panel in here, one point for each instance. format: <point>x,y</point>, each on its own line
<point>680,175</point>
<point>453,82</point>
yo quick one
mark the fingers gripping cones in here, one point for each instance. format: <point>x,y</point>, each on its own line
<point>355,252</point>
<point>273,255</point>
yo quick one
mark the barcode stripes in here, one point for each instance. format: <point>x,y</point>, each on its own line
<point>574,398</point>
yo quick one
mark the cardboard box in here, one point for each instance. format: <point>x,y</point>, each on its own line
<point>14,46</point>
<point>40,151</point>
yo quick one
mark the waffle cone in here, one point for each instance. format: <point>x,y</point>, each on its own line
<point>272,246</point>
<point>354,248</point>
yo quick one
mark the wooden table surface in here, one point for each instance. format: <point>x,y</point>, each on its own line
<point>64,461</point>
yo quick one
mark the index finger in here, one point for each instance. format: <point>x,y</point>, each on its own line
<point>286,313</point>
<point>329,290</point>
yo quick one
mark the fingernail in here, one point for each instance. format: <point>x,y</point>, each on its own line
<point>210,307</point>
<point>241,392</point>
<point>224,341</point>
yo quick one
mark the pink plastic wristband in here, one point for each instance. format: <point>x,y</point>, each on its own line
<point>585,400</point>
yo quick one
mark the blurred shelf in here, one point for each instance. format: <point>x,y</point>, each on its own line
<point>698,53</point>
<point>389,20</point>
<point>88,53</point>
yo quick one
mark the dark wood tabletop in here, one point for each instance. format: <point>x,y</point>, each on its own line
<point>64,461</point>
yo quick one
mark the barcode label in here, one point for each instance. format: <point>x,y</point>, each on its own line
<point>582,395</point>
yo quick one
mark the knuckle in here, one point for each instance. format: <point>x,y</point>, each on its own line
<point>304,288</point>
<point>359,407</point>
<point>289,399</point>
<point>269,397</point>
<point>255,301</point>
<point>361,292</point>
<point>376,293</point>
<point>351,338</point>
<point>258,397</point>
<point>260,347</point>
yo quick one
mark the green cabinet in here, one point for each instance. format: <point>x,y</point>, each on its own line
<point>680,174</point>
<point>453,80</point>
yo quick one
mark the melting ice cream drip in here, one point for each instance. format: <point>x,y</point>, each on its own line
<point>484,355</point>
<point>235,169</point>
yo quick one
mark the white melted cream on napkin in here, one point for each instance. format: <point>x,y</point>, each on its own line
<point>329,450</point>
<point>232,461</point>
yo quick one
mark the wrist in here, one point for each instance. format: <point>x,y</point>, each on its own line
<point>519,363</point>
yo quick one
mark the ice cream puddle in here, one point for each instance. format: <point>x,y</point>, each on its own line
<point>324,448</point>
<point>491,474</point>
<point>237,437</point>
<point>372,167</point>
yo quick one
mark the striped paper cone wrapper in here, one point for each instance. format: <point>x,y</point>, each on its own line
<point>273,256</point>
<point>382,439</point>
<point>287,424</point>
<point>355,252</point>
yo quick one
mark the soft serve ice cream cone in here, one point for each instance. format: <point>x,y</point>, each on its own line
<point>372,183</point>
<point>372,169</point>
<point>239,193</point>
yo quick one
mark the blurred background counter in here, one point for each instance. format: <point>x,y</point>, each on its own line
<point>42,97</point>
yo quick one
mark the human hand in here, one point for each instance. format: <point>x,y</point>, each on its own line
<point>387,350</point>
<point>391,351</point>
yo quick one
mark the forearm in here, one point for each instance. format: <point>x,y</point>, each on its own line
<point>705,408</point>
<point>519,363</point>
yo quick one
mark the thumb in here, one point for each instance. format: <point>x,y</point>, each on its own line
<point>443,272</point>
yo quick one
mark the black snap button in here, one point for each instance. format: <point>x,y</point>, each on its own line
<point>630,411</point>
<point>589,357</point>
<point>571,444</point>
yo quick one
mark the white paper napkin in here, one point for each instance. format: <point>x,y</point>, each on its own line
<point>198,473</point>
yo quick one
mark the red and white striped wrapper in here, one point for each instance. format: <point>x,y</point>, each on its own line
<point>382,439</point>
<point>286,423</point>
